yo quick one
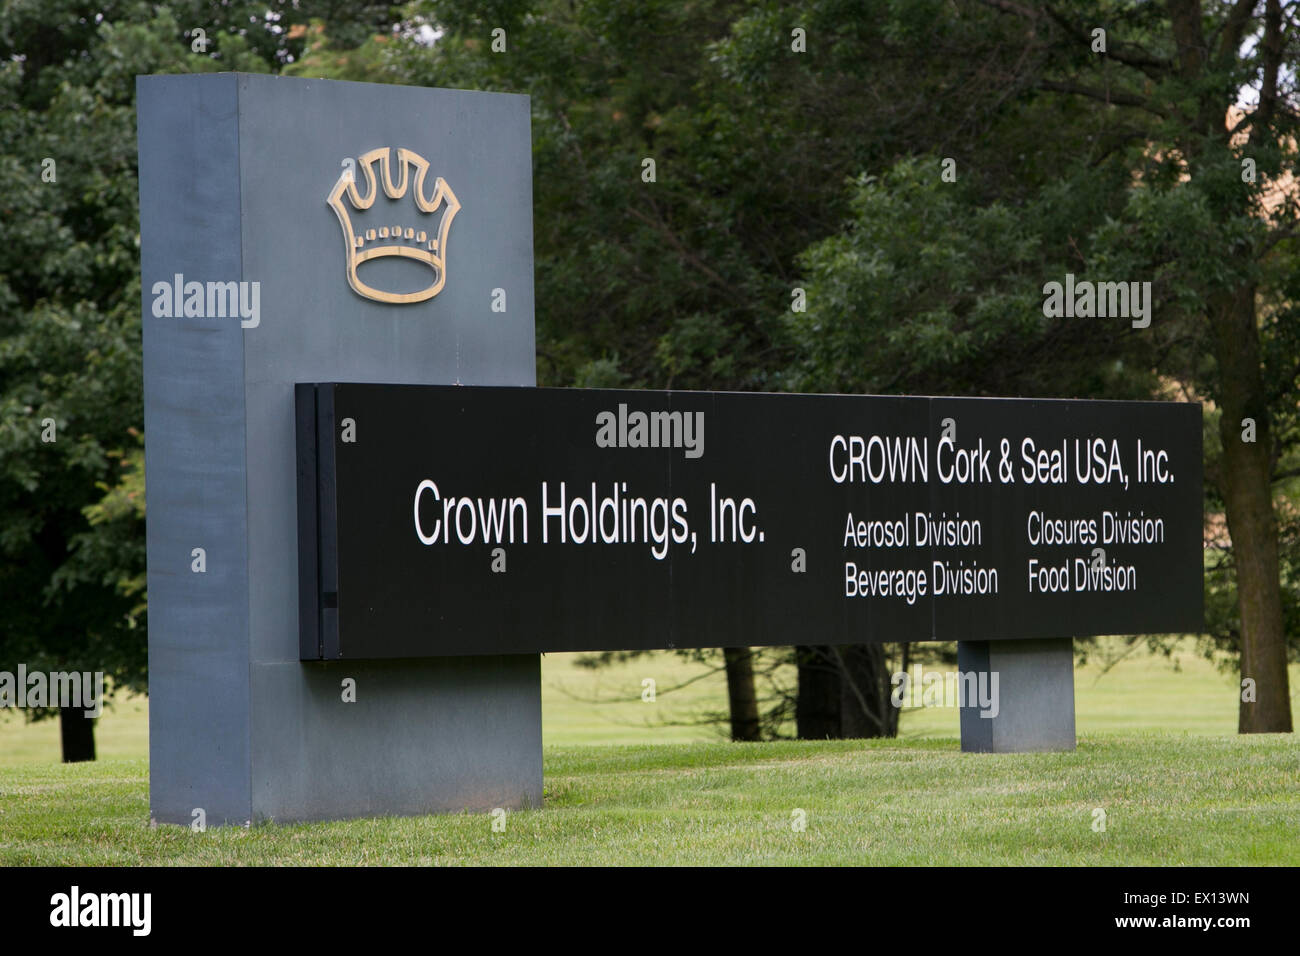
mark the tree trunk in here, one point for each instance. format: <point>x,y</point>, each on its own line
<point>865,710</point>
<point>1248,498</point>
<point>741,698</point>
<point>77,732</point>
<point>844,693</point>
<point>817,707</point>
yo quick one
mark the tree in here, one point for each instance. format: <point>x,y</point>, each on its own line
<point>935,286</point>
<point>1216,216</point>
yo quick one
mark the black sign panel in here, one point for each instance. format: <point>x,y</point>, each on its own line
<point>442,520</point>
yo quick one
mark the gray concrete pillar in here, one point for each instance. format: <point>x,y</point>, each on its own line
<point>1030,684</point>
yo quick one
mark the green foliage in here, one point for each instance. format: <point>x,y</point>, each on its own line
<point>684,278</point>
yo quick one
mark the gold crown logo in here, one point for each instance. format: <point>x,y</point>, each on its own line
<point>394,239</point>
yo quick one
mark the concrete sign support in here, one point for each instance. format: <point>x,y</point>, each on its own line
<point>300,230</point>
<point>1036,695</point>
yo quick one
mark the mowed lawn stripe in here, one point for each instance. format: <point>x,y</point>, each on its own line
<point>1168,799</point>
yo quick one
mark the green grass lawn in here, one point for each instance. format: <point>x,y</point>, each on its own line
<point>1168,800</point>
<point>634,782</point>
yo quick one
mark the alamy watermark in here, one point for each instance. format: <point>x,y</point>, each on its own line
<point>1086,299</point>
<point>920,688</point>
<point>77,909</point>
<point>71,689</point>
<point>208,300</point>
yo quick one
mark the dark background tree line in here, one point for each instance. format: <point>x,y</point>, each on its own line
<point>799,152</point>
